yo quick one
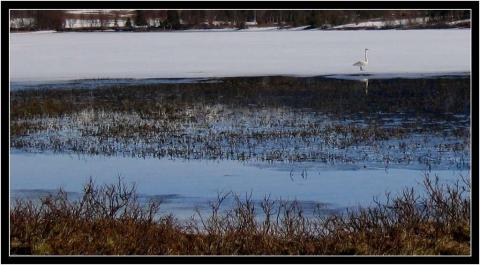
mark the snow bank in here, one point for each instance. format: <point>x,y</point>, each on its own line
<point>381,24</point>
<point>211,30</point>
<point>372,24</point>
<point>459,22</point>
<point>36,32</point>
<point>249,29</point>
<point>297,28</point>
<point>69,56</point>
<point>260,29</point>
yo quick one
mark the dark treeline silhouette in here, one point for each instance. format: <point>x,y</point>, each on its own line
<point>182,19</point>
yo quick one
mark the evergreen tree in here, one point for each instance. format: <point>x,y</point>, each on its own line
<point>140,18</point>
<point>173,20</point>
<point>128,24</point>
<point>49,19</point>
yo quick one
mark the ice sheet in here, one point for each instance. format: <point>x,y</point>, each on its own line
<point>70,56</point>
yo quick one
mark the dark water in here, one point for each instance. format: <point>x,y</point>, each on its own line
<point>99,83</point>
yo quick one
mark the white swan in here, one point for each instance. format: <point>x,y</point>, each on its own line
<point>362,63</point>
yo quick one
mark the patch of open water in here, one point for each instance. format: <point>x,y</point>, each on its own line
<point>185,184</point>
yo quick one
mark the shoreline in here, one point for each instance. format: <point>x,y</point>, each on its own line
<point>90,82</point>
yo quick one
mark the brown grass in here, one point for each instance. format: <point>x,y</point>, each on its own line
<point>109,220</point>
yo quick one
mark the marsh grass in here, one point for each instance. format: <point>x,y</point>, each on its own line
<point>109,220</point>
<point>261,119</point>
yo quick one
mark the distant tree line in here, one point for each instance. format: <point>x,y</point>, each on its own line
<point>40,19</point>
<point>180,19</point>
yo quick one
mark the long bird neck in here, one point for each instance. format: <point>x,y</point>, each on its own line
<point>366,58</point>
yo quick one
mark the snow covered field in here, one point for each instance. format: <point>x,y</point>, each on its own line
<point>69,56</point>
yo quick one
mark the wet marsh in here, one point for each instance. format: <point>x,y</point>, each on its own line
<point>213,157</point>
<point>405,122</point>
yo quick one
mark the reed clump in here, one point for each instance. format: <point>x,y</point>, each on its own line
<point>110,220</point>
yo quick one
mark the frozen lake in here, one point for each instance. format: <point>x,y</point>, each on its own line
<point>393,53</point>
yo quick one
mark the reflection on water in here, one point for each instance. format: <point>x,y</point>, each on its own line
<point>332,141</point>
<point>183,185</point>
<point>99,83</point>
<point>366,85</point>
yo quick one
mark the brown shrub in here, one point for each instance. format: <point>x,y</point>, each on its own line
<point>109,220</point>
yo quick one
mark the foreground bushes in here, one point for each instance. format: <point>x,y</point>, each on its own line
<point>109,220</point>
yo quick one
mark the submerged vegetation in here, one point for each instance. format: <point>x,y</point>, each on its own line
<point>402,121</point>
<point>108,219</point>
